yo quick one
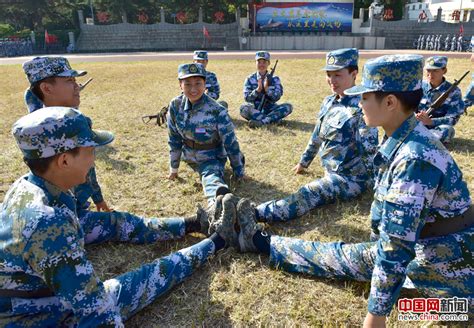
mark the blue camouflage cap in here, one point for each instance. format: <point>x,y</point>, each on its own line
<point>188,70</point>
<point>436,62</point>
<point>262,55</point>
<point>200,55</point>
<point>41,68</point>
<point>391,73</point>
<point>55,130</point>
<point>341,58</point>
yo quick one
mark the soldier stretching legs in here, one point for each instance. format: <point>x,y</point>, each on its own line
<point>344,143</point>
<point>46,277</point>
<point>421,213</point>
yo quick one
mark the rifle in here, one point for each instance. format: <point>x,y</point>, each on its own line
<point>82,86</point>
<point>440,100</point>
<point>160,117</point>
<point>269,79</point>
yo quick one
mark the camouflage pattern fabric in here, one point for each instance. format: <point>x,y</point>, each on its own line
<point>42,246</point>
<point>417,182</point>
<point>448,114</point>
<point>204,122</point>
<point>345,154</point>
<point>271,112</point>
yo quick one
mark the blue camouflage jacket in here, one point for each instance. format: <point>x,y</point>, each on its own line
<point>275,91</point>
<point>450,111</point>
<point>204,122</point>
<point>212,85</point>
<point>417,181</point>
<point>346,145</point>
<point>42,246</point>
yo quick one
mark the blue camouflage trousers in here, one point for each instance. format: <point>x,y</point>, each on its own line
<point>444,132</point>
<point>271,114</point>
<point>316,193</point>
<point>131,291</point>
<point>212,176</point>
<point>442,266</point>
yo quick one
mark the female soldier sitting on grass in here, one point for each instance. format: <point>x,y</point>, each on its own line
<point>202,131</point>
<point>421,213</point>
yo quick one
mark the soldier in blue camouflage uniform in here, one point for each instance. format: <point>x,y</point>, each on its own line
<point>213,89</point>
<point>256,88</point>
<point>202,131</point>
<point>45,277</point>
<point>345,144</point>
<point>53,83</point>
<point>421,213</point>
<point>442,120</point>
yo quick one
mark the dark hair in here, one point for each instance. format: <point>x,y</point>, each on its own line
<point>352,68</point>
<point>40,165</point>
<point>409,99</point>
<point>35,87</point>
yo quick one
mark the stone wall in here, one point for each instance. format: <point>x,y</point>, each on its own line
<point>325,42</point>
<point>161,36</point>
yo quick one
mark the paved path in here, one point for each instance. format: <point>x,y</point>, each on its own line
<point>216,55</point>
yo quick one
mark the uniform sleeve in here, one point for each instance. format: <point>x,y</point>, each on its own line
<point>250,91</point>
<point>312,148</point>
<point>411,192</point>
<point>213,89</point>
<point>95,187</point>
<point>454,109</point>
<point>175,141</point>
<point>275,90</point>
<point>56,253</point>
<point>229,139</point>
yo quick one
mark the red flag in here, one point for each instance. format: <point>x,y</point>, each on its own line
<point>205,32</point>
<point>47,39</point>
<point>461,29</point>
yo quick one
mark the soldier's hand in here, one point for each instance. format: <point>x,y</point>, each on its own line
<point>173,176</point>
<point>260,85</point>
<point>298,169</point>
<point>102,207</point>
<point>424,118</point>
<point>266,84</point>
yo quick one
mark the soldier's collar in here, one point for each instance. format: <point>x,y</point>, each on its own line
<point>188,106</point>
<point>54,194</point>
<point>441,85</point>
<point>391,144</point>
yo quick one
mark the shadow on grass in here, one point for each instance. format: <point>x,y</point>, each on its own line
<point>190,301</point>
<point>461,144</point>
<point>286,124</point>
<point>104,154</point>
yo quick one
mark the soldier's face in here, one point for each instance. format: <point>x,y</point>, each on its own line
<point>435,76</point>
<point>262,65</point>
<point>193,88</point>
<point>64,92</point>
<point>80,164</point>
<point>374,111</point>
<point>201,61</point>
<point>340,80</point>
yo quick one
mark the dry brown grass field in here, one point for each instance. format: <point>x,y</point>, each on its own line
<point>232,289</point>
